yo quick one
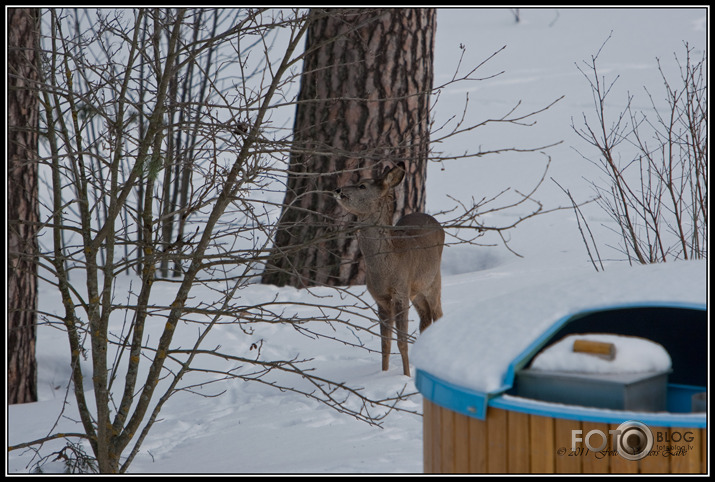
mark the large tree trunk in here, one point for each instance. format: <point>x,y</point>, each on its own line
<point>363,104</point>
<point>23,33</point>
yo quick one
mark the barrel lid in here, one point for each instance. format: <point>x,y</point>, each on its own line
<point>472,355</point>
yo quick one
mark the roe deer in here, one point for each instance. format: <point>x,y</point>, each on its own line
<point>402,262</point>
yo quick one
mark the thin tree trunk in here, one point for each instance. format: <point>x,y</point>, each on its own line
<point>22,204</point>
<point>363,105</point>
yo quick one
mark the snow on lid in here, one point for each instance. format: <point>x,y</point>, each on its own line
<point>475,343</point>
<point>631,355</point>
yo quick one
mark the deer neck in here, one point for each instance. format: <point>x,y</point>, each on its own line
<point>373,235</point>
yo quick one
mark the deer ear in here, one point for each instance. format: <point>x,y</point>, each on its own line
<point>394,176</point>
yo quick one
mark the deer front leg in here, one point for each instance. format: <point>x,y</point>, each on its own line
<point>401,318</point>
<point>384,312</point>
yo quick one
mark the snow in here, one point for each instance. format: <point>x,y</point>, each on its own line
<point>249,427</point>
<point>632,355</point>
<point>484,338</point>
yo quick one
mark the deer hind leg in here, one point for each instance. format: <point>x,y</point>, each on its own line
<point>429,303</point>
<point>384,312</point>
<point>424,310</point>
<point>401,316</point>
<point>435,297</point>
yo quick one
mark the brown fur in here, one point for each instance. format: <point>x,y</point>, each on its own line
<point>402,261</point>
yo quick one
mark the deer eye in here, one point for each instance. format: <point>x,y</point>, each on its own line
<point>362,186</point>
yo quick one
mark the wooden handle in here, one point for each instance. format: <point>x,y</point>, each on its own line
<point>605,350</point>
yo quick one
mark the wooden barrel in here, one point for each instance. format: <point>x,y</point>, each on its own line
<point>515,441</point>
<point>474,370</point>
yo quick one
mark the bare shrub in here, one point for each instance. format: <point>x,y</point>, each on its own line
<point>655,164</point>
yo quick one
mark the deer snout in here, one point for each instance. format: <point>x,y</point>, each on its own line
<point>338,193</point>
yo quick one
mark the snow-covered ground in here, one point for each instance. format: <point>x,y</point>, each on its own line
<point>254,428</point>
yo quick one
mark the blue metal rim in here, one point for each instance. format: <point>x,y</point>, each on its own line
<point>474,403</point>
<point>597,415</point>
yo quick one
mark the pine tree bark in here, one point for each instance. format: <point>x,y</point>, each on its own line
<point>23,33</point>
<point>363,105</point>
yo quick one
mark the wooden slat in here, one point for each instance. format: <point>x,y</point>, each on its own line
<point>432,447</point>
<point>427,437</point>
<point>496,441</point>
<point>617,464</point>
<point>436,440</point>
<point>703,451</point>
<point>461,443</point>
<point>541,445</point>
<point>655,462</point>
<point>686,455</point>
<point>517,442</point>
<point>478,446</point>
<point>446,449</point>
<point>595,462</point>
<point>568,462</point>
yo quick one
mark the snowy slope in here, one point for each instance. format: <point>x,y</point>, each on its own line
<point>254,428</point>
